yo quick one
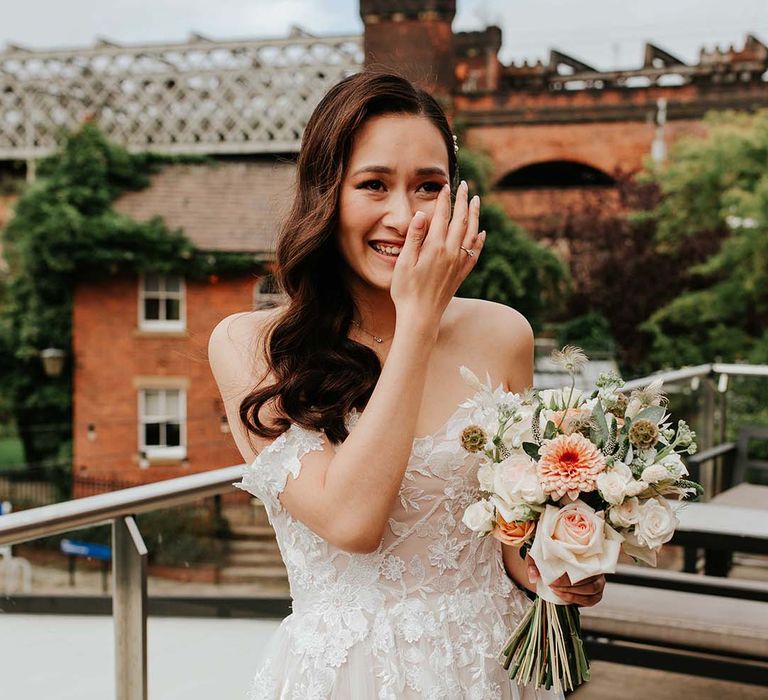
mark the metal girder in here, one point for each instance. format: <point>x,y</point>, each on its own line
<point>198,96</point>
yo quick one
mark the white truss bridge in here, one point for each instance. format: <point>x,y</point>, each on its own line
<point>201,96</point>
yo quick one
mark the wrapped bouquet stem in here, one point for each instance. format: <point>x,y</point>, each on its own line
<point>573,478</point>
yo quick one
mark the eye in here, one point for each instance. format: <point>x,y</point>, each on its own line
<point>370,184</point>
<point>433,187</point>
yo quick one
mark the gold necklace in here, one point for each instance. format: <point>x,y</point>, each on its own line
<point>377,338</point>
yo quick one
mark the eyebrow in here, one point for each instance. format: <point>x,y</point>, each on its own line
<point>421,172</point>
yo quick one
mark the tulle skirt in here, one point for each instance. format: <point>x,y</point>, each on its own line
<point>413,652</point>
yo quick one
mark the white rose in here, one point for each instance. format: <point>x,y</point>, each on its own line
<point>479,517</point>
<point>656,524</point>
<point>516,481</point>
<point>675,466</point>
<point>613,484</point>
<point>635,488</point>
<point>513,513</point>
<point>576,540</point>
<point>485,477</point>
<point>654,474</point>
<point>632,547</point>
<point>625,514</point>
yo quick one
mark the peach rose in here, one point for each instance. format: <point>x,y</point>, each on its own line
<point>516,533</point>
<point>576,540</point>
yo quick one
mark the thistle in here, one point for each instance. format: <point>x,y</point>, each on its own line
<point>570,358</point>
<point>644,434</point>
<point>473,438</point>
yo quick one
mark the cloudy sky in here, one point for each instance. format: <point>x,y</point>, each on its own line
<point>604,33</point>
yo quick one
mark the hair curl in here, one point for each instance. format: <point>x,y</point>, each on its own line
<point>320,373</point>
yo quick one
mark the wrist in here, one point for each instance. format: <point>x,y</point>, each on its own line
<point>423,328</point>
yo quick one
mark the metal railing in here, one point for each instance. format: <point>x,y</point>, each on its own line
<point>130,553</point>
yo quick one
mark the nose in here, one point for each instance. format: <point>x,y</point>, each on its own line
<point>399,213</point>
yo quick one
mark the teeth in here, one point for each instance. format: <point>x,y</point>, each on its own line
<point>386,249</point>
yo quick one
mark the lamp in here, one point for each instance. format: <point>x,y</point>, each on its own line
<point>53,361</point>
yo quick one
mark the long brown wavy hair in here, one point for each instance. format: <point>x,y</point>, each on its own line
<point>320,373</point>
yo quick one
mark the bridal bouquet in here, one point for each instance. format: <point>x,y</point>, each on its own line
<point>573,478</point>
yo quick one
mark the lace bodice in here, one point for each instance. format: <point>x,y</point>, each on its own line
<point>433,596</point>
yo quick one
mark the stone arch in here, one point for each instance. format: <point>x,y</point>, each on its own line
<point>558,174</point>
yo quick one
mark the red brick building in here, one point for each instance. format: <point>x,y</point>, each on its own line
<point>146,406</point>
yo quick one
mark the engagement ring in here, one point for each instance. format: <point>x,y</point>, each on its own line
<point>471,253</point>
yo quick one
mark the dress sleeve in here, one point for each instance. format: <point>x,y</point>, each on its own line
<point>265,477</point>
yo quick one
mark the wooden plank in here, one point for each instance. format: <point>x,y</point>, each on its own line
<point>744,496</point>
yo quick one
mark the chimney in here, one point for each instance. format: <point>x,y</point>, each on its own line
<point>413,38</point>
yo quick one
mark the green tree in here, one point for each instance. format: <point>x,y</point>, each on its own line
<point>513,269</point>
<point>65,229</point>
<point>717,183</point>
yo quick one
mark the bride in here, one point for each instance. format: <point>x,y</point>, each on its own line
<point>346,404</point>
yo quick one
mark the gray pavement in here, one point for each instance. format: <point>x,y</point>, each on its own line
<point>71,657</point>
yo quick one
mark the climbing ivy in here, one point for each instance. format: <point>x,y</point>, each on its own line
<point>65,229</point>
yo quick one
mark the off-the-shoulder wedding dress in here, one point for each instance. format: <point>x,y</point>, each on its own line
<point>422,617</point>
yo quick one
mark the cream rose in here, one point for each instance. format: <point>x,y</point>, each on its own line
<point>576,540</point>
<point>516,481</point>
<point>485,477</point>
<point>514,513</point>
<point>613,484</point>
<point>655,473</point>
<point>656,524</point>
<point>479,517</point>
<point>625,514</point>
<point>675,466</point>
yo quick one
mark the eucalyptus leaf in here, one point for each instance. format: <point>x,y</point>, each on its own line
<point>531,449</point>
<point>651,413</point>
<point>550,430</point>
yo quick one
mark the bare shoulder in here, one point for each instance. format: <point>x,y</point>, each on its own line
<point>236,349</point>
<point>502,334</point>
<point>502,321</point>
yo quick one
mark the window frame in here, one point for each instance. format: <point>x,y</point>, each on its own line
<point>162,325</point>
<point>162,452</point>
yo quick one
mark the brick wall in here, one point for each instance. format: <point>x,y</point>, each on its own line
<point>110,352</point>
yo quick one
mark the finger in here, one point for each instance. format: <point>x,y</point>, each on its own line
<point>581,600</point>
<point>441,216</point>
<point>579,589</point>
<point>414,239</point>
<point>458,226</point>
<point>473,223</point>
<point>562,581</point>
<point>533,570</point>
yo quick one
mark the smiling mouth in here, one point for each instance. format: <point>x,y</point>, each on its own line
<point>389,250</point>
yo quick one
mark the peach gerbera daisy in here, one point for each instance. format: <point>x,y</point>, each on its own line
<point>569,464</point>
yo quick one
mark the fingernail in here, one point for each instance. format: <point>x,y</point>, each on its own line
<point>482,233</point>
<point>475,200</point>
<point>532,575</point>
<point>446,188</point>
<point>463,184</point>
<point>419,219</point>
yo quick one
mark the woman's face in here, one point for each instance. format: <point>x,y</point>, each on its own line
<point>397,167</point>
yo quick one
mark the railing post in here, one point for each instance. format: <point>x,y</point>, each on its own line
<point>129,609</point>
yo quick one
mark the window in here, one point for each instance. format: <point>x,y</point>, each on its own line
<point>266,293</point>
<point>161,302</point>
<point>162,423</point>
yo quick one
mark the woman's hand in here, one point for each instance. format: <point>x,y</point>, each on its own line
<point>585,593</point>
<point>431,264</point>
